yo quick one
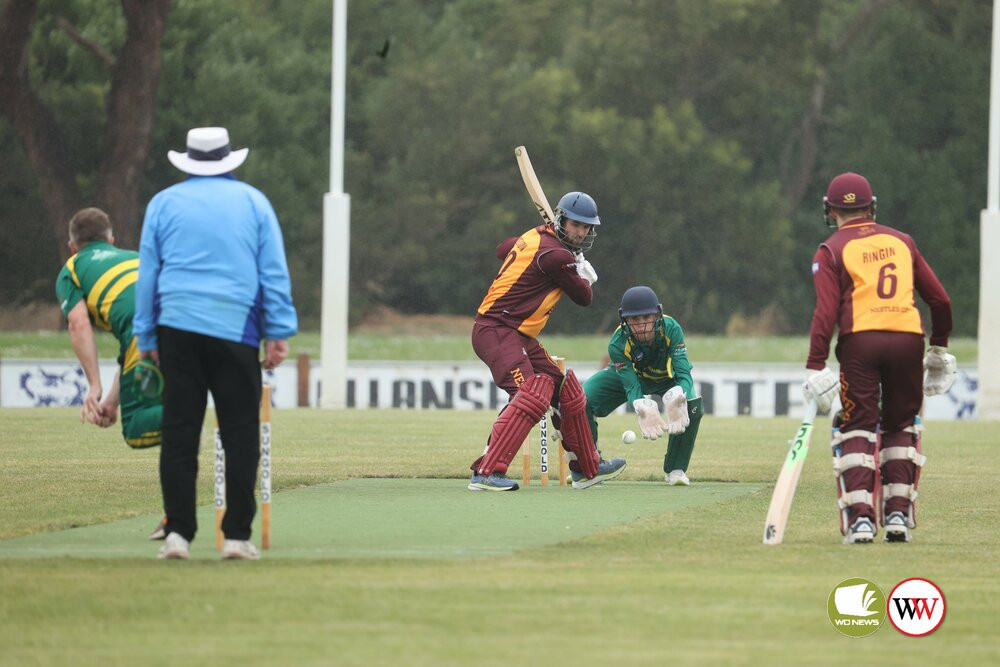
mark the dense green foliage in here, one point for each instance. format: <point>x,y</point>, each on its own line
<point>706,131</point>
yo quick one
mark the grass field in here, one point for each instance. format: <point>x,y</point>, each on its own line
<point>456,347</point>
<point>635,582</point>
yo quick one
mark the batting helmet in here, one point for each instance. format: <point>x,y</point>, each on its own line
<point>578,206</point>
<point>848,191</point>
<point>581,207</point>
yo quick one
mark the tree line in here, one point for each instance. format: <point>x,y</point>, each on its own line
<point>706,131</point>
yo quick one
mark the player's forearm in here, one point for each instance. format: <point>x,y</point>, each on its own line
<point>686,382</point>
<point>933,293</point>
<point>85,347</point>
<point>114,393</point>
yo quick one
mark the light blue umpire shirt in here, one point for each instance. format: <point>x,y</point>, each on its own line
<point>212,261</point>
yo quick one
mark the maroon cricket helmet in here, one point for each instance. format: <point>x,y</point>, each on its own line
<point>848,191</point>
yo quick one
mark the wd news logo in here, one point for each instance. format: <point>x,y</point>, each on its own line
<point>916,607</point>
<point>856,607</point>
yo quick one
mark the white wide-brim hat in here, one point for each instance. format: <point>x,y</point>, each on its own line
<point>208,153</point>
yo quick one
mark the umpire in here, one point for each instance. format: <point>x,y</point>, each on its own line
<point>213,282</point>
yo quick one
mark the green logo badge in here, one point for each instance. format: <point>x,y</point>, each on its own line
<point>856,607</point>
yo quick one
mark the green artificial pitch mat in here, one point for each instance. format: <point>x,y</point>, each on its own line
<point>403,518</point>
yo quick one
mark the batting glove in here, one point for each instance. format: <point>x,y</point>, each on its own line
<point>939,370</point>
<point>585,270</point>
<point>822,387</point>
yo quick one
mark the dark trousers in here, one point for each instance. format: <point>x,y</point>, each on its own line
<point>192,365</point>
<point>881,379</point>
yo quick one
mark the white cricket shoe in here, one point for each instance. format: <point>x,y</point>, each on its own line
<point>896,528</point>
<point>862,531</point>
<point>239,550</point>
<point>675,477</point>
<point>174,547</point>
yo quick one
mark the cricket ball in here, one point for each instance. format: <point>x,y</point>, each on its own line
<point>628,437</point>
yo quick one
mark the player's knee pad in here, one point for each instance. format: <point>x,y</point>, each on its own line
<point>856,471</point>
<point>575,429</point>
<point>509,430</point>
<point>901,461</point>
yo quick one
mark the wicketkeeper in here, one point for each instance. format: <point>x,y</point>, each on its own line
<point>648,357</point>
<point>865,275</point>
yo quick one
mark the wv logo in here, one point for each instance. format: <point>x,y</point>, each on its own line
<point>915,607</point>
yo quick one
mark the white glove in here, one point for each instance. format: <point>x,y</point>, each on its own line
<point>939,370</point>
<point>675,406</point>
<point>651,424</point>
<point>585,270</point>
<point>822,387</point>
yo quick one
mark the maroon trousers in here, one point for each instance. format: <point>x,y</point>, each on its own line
<point>881,388</point>
<point>512,358</point>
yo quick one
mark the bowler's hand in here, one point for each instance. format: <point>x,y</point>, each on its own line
<point>91,410</point>
<point>107,414</point>
<point>275,352</point>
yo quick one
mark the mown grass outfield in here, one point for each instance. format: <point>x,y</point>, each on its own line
<point>677,576</point>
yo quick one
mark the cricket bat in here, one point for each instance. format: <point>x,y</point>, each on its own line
<point>788,479</point>
<point>532,184</point>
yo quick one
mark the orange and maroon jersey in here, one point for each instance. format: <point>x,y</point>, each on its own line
<point>865,275</point>
<point>536,270</point>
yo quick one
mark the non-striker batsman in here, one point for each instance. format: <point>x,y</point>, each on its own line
<point>865,275</point>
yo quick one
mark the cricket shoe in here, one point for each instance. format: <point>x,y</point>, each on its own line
<point>896,529</point>
<point>160,532</point>
<point>493,482</point>
<point>862,531</point>
<point>605,470</point>
<point>174,547</point>
<point>239,550</point>
<point>676,477</point>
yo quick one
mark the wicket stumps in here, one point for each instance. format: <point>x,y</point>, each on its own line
<point>543,437</point>
<point>265,475</point>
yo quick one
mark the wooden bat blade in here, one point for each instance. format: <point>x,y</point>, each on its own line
<point>533,186</point>
<point>788,480</point>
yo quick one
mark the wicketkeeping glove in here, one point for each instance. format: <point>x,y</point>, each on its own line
<point>939,370</point>
<point>822,387</point>
<point>651,424</point>
<point>675,406</point>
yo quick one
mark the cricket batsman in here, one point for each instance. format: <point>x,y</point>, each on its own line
<point>865,275</point>
<point>537,268</point>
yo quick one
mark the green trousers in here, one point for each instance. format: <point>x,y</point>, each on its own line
<point>142,418</point>
<point>605,394</point>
